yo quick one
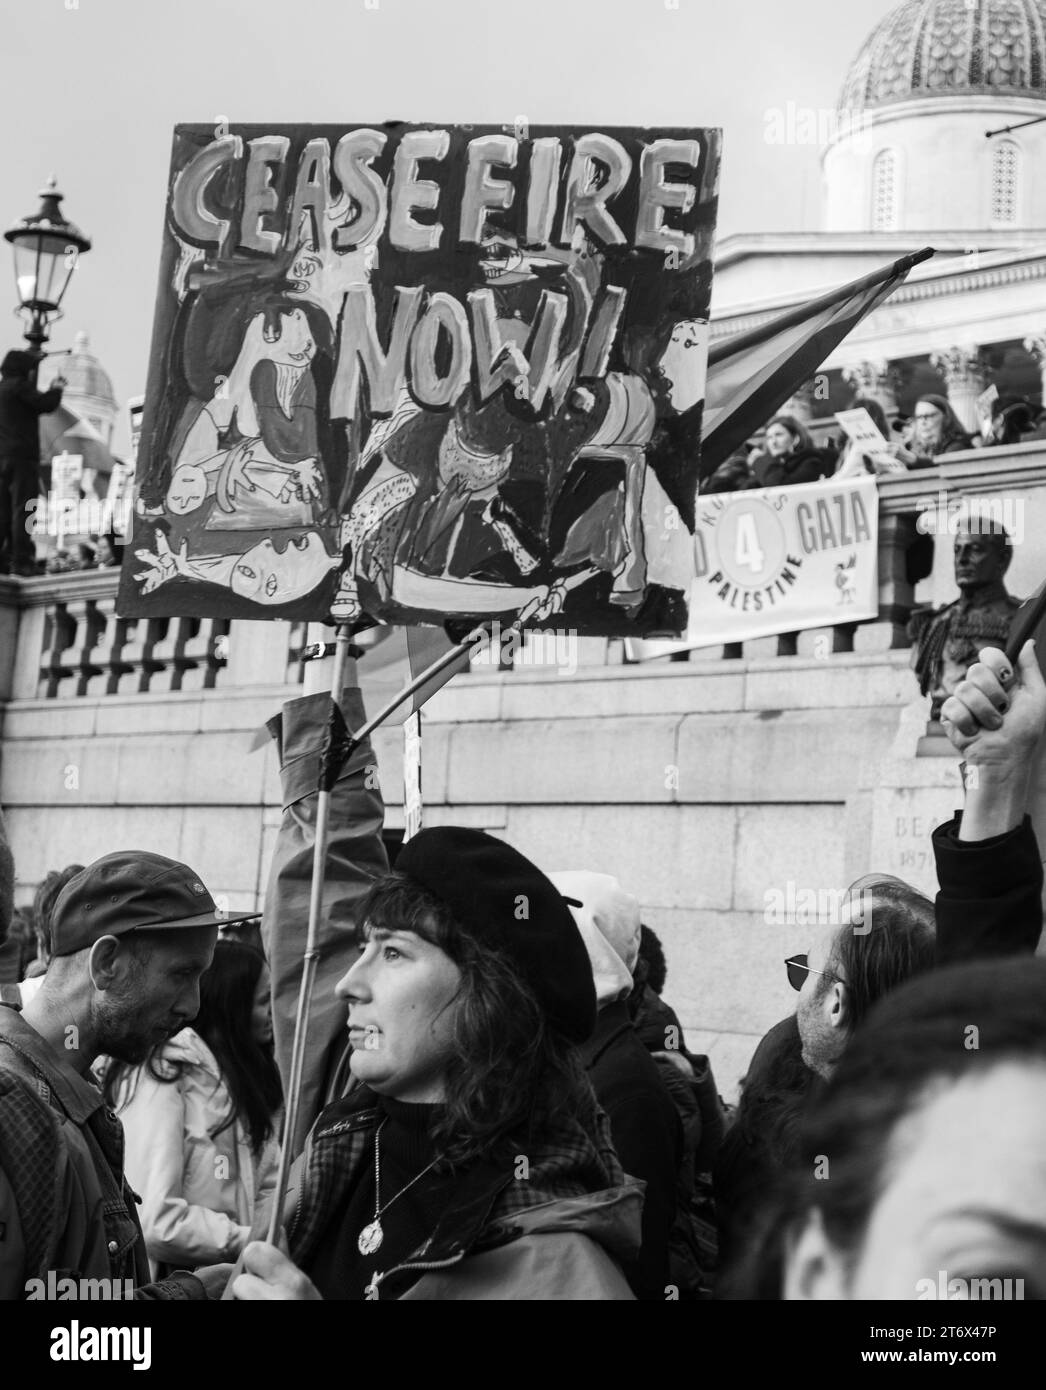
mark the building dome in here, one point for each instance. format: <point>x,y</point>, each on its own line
<point>928,48</point>
<point>84,373</point>
<point>89,388</point>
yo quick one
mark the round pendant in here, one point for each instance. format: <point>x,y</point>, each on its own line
<point>370,1238</point>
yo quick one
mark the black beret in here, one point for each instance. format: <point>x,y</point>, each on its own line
<point>497,894</point>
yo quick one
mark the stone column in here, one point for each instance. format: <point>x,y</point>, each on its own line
<point>1036,347</point>
<point>965,376</point>
<point>880,380</point>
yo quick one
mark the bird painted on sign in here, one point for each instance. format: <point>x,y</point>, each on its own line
<point>844,579</point>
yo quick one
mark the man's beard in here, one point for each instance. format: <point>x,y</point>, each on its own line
<point>125,1038</point>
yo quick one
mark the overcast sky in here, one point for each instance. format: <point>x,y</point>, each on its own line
<point>90,89</point>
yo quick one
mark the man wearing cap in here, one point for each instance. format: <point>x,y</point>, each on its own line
<point>131,935</point>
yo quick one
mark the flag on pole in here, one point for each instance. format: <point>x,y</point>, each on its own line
<point>397,656</point>
<point>752,374</point>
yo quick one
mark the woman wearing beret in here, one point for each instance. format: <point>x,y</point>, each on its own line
<point>469,1160</point>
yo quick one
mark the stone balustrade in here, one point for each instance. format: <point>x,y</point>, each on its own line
<point>69,643</point>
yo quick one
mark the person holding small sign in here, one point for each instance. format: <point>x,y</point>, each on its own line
<point>871,450</point>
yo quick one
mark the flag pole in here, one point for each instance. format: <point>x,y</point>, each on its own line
<point>308,975</point>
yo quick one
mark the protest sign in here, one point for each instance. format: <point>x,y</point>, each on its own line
<point>861,429</point>
<point>985,402</point>
<point>780,560</point>
<point>409,373</point>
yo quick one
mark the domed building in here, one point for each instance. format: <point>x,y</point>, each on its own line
<point>906,164</point>
<point>89,389</point>
<point>89,396</point>
<point>919,96</point>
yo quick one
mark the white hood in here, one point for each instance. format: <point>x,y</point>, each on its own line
<point>609,923</point>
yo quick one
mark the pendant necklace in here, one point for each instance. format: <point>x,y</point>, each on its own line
<point>372,1235</point>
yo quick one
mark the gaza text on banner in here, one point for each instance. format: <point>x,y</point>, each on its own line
<point>411,373</point>
<point>780,560</point>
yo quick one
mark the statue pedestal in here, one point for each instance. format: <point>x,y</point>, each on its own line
<point>903,797</point>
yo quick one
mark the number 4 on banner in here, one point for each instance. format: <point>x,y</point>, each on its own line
<point>748,551</point>
<point>411,776</point>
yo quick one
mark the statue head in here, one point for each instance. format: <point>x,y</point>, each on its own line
<point>982,555</point>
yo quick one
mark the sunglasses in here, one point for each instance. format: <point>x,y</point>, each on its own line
<point>798,970</point>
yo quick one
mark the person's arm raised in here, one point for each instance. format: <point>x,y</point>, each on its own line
<point>995,720</point>
<point>988,862</point>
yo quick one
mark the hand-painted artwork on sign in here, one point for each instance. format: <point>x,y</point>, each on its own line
<point>408,374</point>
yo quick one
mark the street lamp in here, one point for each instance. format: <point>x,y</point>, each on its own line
<point>46,251</point>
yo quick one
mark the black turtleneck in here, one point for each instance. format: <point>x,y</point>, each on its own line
<point>338,1269</point>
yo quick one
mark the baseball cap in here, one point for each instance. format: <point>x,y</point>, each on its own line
<point>129,890</point>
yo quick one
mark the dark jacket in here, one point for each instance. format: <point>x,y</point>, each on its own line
<point>21,405</point>
<point>65,1205</point>
<point>798,466</point>
<point>952,442</point>
<point>646,1131</point>
<point>990,898</point>
<point>989,904</point>
<point>558,1233</point>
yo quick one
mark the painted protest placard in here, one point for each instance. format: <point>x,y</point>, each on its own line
<point>407,373</point>
<point>778,560</point>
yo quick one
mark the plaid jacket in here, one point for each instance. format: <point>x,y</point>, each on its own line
<point>65,1205</point>
<point>570,1187</point>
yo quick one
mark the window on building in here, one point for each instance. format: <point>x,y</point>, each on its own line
<point>884,191</point>
<point>1006,169</point>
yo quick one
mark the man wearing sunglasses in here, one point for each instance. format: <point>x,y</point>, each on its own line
<point>989,903</point>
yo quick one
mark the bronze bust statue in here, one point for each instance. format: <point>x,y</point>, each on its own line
<point>947,640</point>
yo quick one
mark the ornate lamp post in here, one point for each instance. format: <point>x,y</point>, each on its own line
<point>47,249</point>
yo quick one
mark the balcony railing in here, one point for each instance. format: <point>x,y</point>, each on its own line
<point>60,637</point>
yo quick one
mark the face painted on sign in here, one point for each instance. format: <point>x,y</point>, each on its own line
<point>267,575</point>
<point>683,363</point>
<point>291,342</point>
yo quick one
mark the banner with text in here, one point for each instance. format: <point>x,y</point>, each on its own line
<point>778,560</point>
<point>417,373</point>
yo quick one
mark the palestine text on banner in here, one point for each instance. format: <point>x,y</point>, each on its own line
<point>780,559</point>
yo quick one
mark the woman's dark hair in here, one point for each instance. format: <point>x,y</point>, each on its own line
<point>653,953</point>
<point>227,992</point>
<point>952,431</point>
<point>511,1074</point>
<point>20,929</point>
<point>43,905</point>
<point>802,436</point>
<point>923,1036</point>
<point>1017,417</point>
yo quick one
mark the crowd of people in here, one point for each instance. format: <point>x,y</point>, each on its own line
<point>496,1101</point>
<point>788,453</point>
<point>95,553</point>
